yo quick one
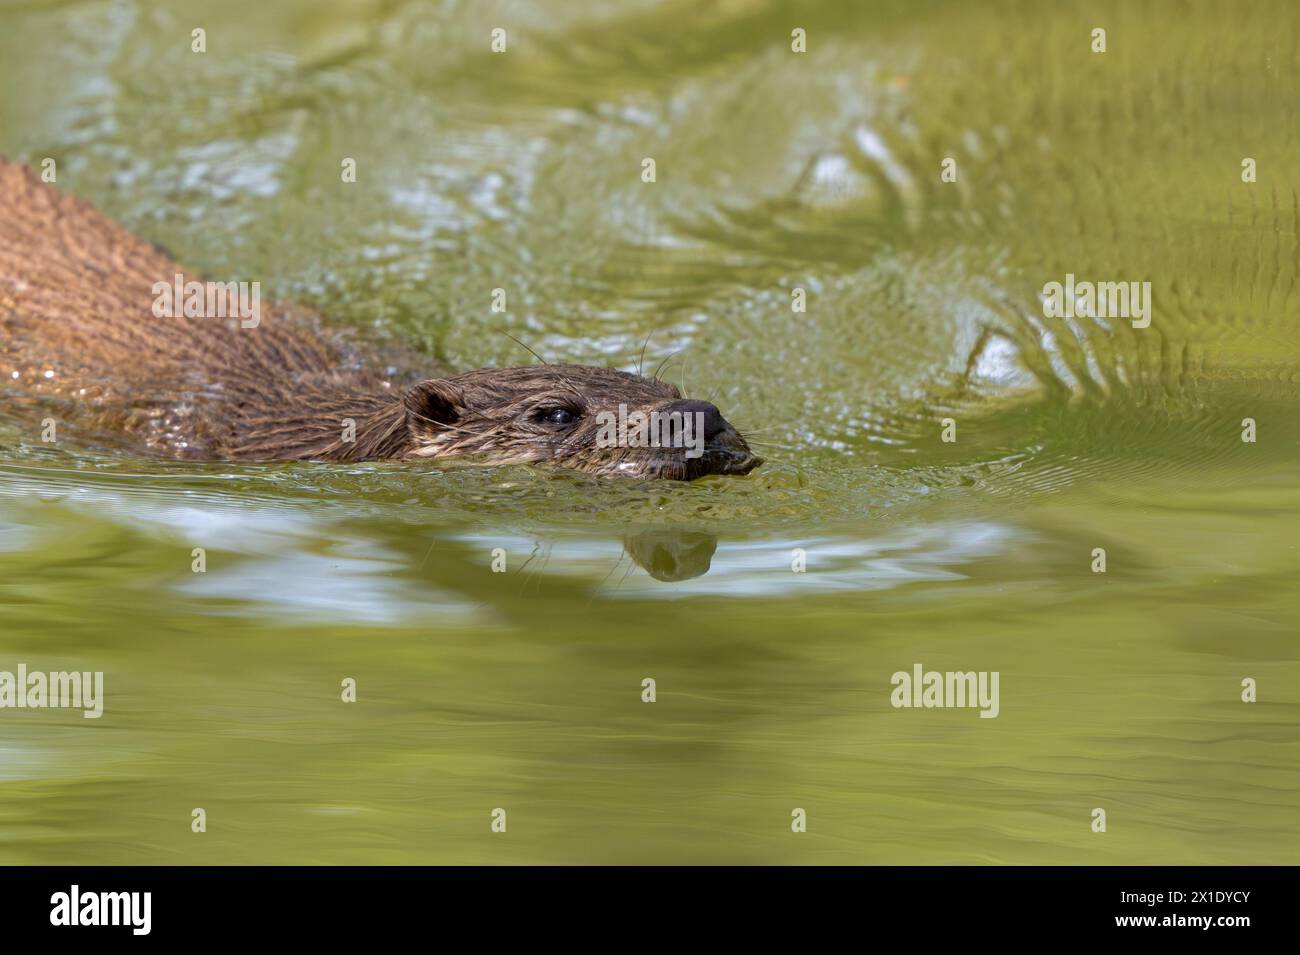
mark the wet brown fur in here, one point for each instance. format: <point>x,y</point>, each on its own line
<point>76,297</point>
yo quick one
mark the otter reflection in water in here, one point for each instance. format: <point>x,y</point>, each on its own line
<point>671,555</point>
<point>81,326</point>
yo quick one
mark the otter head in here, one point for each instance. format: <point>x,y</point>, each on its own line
<point>597,420</point>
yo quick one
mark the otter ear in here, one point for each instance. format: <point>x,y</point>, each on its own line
<point>431,403</point>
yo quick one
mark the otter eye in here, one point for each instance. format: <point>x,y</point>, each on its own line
<point>560,416</point>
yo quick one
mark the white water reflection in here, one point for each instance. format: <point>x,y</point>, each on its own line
<point>764,568</point>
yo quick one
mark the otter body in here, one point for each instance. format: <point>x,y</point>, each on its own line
<point>81,330</point>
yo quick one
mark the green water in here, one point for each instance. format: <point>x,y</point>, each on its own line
<point>522,690</point>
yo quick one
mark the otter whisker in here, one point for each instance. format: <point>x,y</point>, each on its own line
<point>536,575</point>
<point>631,565</point>
<point>769,444</point>
<point>577,392</point>
<point>525,347</point>
<point>427,553</point>
<point>447,427</point>
<point>536,548</point>
<point>640,362</point>
<point>655,376</point>
<point>604,580</point>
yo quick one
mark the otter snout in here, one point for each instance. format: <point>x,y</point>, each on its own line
<point>725,451</point>
<point>714,423</point>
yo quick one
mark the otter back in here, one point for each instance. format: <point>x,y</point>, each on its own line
<point>78,335</point>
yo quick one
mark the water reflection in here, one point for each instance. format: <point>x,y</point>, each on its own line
<point>670,554</point>
<point>394,565</point>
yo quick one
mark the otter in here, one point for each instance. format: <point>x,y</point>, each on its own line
<point>79,328</point>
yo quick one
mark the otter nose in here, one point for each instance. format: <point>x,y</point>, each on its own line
<point>713,420</point>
